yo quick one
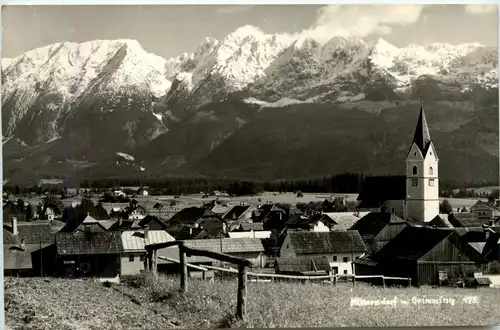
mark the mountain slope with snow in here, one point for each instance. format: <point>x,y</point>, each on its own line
<point>84,103</point>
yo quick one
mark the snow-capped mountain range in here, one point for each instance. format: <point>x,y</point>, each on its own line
<point>265,67</point>
<point>94,99</point>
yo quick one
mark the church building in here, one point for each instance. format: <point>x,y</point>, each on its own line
<point>414,196</point>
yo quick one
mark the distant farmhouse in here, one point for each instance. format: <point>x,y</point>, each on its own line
<point>414,196</point>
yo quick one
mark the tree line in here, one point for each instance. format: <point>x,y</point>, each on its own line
<point>349,183</point>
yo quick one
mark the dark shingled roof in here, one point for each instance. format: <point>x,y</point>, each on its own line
<point>376,190</point>
<point>487,205</point>
<point>302,264</point>
<point>373,223</point>
<point>15,259</point>
<point>441,221</point>
<point>89,243</point>
<point>412,243</point>
<point>190,215</point>
<point>235,212</point>
<point>466,220</point>
<point>422,137</point>
<point>326,242</point>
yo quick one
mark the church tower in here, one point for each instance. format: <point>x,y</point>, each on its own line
<point>422,180</point>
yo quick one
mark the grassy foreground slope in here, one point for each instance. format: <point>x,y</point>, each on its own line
<point>65,304</point>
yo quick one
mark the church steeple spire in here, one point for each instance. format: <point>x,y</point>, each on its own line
<point>422,137</point>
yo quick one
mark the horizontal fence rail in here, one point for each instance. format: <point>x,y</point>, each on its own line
<point>242,271</point>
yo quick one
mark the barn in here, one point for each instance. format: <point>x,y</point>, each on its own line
<point>428,256</point>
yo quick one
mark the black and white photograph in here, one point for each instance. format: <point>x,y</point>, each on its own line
<point>250,166</point>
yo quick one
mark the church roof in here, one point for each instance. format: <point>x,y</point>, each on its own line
<point>422,137</point>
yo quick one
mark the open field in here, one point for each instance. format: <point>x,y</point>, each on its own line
<point>287,198</point>
<point>70,304</point>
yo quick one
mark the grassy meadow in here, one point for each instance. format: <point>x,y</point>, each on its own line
<point>69,304</point>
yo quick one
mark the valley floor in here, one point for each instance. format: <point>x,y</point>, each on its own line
<point>70,304</point>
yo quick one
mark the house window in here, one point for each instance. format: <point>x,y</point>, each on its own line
<point>87,228</point>
<point>414,183</point>
<point>141,258</point>
<point>414,170</point>
<point>334,258</point>
<point>131,258</point>
<point>431,182</point>
<point>415,154</point>
<point>431,171</point>
<point>393,210</point>
<point>345,271</point>
<point>346,259</point>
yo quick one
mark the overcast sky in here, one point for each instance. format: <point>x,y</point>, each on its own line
<point>170,30</point>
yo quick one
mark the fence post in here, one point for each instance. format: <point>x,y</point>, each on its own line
<point>353,280</point>
<point>155,263</point>
<point>183,263</point>
<point>242,292</point>
<point>383,281</point>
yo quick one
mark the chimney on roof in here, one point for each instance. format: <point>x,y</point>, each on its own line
<point>14,226</point>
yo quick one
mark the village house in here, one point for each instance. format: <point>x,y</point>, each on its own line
<point>248,248</point>
<point>414,196</point>
<point>28,249</point>
<point>152,222</point>
<point>240,213</point>
<point>345,220</point>
<point>249,230</point>
<point>89,254</point>
<point>317,222</point>
<point>427,256</point>
<point>11,211</point>
<point>468,219</point>
<point>303,266</point>
<point>485,210</point>
<point>134,241</point>
<point>373,223</point>
<point>340,248</point>
<point>197,222</point>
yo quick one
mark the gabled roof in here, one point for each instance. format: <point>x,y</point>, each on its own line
<point>134,240</point>
<point>306,242</point>
<point>190,215</point>
<point>376,190</point>
<point>227,245</point>
<point>484,205</point>
<point>219,209</point>
<point>12,209</point>
<point>412,243</point>
<point>373,223</point>
<point>31,232</point>
<point>17,259</point>
<point>422,137</point>
<point>466,219</point>
<point>345,220</point>
<point>441,221</point>
<point>78,243</point>
<point>235,212</point>
<point>478,246</point>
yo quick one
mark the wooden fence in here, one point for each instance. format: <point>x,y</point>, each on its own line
<point>242,271</point>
